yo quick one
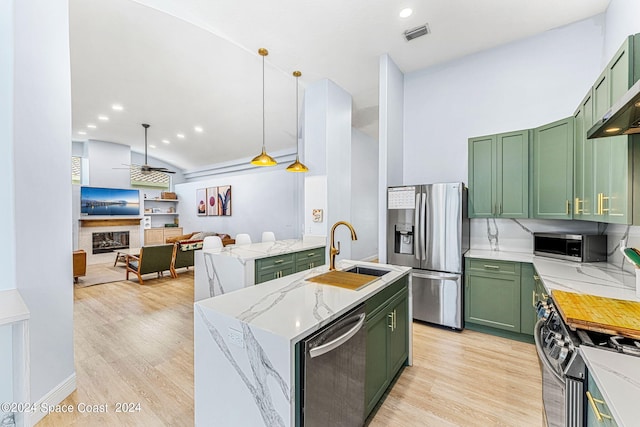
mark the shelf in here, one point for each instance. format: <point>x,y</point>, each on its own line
<point>161,213</point>
<point>161,200</point>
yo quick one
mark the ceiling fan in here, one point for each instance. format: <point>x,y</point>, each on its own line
<point>145,168</point>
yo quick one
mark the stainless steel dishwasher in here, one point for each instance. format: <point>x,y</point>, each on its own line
<point>333,373</point>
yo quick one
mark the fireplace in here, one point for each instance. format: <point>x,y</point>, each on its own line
<point>111,241</point>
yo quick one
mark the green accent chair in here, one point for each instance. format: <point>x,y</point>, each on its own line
<point>183,256</point>
<point>152,259</point>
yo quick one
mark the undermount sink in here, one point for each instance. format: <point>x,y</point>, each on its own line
<point>369,271</point>
<point>354,278</point>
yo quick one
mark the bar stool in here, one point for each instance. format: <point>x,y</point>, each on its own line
<point>243,239</point>
<point>212,242</point>
<point>268,236</point>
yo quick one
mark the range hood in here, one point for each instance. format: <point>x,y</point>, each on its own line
<point>622,119</point>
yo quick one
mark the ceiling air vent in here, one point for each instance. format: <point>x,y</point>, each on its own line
<point>416,32</point>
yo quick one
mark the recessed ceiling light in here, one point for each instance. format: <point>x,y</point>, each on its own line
<point>406,12</point>
<point>166,141</point>
<point>152,146</point>
<point>103,118</point>
<point>198,129</point>
<point>180,135</point>
<point>81,132</point>
<point>91,126</point>
<point>117,107</point>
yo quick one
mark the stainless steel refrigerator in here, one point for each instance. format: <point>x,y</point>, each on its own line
<point>428,229</point>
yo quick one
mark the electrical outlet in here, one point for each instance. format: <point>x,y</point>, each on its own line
<point>235,337</point>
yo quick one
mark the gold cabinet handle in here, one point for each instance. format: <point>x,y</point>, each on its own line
<point>278,261</point>
<point>603,199</point>
<point>533,298</point>
<point>592,402</point>
<point>492,267</point>
<point>395,319</point>
<point>311,254</point>
<point>568,211</point>
<point>576,205</point>
<point>390,323</point>
<point>536,277</point>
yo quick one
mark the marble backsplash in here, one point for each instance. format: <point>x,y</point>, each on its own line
<point>516,235</point>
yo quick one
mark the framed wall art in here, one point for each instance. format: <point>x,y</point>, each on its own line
<point>224,200</point>
<point>212,201</point>
<point>201,201</point>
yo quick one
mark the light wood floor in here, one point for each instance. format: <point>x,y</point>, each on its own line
<point>135,344</point>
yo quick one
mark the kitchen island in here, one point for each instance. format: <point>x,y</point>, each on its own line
<point>233,267</point>
<point>616,375</point>
<point>245,342</point>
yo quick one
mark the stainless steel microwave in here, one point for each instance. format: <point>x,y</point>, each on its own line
<point>571,247</point>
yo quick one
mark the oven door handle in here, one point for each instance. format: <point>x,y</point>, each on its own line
<point>543,358</point>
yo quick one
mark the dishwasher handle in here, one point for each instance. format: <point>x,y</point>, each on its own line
<point>333,344</point>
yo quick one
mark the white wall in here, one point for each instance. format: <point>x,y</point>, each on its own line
<point>364,195</point>
<point>104,157</point>
<point>327,142</point>
<point>621,20</point>
<point>42,151</point>
<point>263,200</point>
<point>391,138</point>
<point>520,85</point>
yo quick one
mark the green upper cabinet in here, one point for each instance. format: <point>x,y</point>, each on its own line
<point>552,171</point>
<point>584,196</point>
<point>613,157</point>
<point>498,175</point>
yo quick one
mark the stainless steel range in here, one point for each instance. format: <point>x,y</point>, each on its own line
<point>563,370</point>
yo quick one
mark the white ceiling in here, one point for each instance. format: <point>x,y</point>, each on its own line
<point>179,64</point>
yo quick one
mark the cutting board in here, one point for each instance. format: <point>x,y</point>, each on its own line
<point>600,314</point>
<point>343,279</point>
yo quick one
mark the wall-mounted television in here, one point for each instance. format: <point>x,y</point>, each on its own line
<point>109,201</point>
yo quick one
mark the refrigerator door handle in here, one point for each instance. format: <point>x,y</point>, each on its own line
<point>423,225</point>
<point>437,276</point>
<point>416,223</point>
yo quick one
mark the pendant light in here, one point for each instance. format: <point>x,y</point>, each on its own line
<point>297,166</point>
<point>263,159</point>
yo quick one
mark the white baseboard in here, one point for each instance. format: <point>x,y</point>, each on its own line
<point>54,397</point>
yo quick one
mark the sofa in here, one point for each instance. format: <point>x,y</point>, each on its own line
<point>200,235</point>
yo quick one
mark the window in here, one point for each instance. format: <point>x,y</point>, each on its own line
<point>76,170</point>
<point>149,179</point>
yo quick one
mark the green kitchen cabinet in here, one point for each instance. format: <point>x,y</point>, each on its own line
<point>584,205</point>
<point>498,175</point>
<point>500,297</point>
<point>282,265</point>
<point>528,315</point>
<point>387,326</point>
<point>492,294</point>
<point>552,171</point>
<point>597,411</point>
<point>308,259</point>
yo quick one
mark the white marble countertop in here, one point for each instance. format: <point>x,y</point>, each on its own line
<point>597,278</point>
<point>618,378</point>
<point>617,375</point>
<point>255,251</point>
<point>293,308</point>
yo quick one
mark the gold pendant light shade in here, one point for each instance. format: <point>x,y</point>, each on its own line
<point>263,159</point>
<point>297,166</point>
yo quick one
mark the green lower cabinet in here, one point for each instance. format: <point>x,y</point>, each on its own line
<point>282,265</point>
<point>493,299</point>
<point>306,260</point>
<point>500,298</point>
<point>597,411</point>
<point>528,298</point>
<point>387,344</point>
<point>552,171</point>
